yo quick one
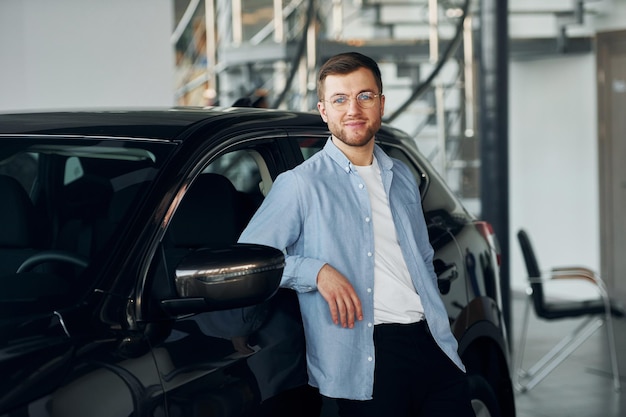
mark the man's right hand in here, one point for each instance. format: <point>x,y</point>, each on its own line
<point>344,304</point>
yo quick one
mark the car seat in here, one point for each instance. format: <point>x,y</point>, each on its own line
<point>208,215</point>
<point>21,235</point>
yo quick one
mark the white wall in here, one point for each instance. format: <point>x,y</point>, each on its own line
<point>85,53</point>
<point>553,162</point>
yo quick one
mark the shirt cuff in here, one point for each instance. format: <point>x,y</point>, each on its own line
<point>301,273</point>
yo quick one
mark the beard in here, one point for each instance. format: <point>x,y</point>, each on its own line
<point>354,136</point>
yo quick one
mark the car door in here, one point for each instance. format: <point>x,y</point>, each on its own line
<point>59,355</point>
<point>233,362</point>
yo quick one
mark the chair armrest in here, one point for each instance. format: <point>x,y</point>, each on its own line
<point>574,272</point>
<point>580,273</point>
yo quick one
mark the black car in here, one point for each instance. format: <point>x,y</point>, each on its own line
<point>123,290</point>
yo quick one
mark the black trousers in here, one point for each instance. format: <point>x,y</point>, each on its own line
<point>412,377</point>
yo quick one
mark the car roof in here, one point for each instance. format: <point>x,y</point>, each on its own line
<point>158,123</point>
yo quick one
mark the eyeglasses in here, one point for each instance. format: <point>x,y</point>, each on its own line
<point>342,102</point>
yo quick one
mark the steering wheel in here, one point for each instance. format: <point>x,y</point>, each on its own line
<point>52,256</point>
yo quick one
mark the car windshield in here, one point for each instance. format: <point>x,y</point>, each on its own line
<point>62,201</point>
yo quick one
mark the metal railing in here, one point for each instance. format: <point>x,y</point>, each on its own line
<point>281,57</point>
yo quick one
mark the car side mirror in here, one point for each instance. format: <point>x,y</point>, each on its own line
<point>212,279</point>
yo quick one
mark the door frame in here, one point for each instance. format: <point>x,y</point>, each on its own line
<point>608,44</point>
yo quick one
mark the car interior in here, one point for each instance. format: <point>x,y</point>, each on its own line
<point>20,238</point>
<point>55,224</point>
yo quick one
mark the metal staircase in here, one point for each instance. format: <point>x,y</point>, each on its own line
<point>273,48</point>
<point>269,50</point>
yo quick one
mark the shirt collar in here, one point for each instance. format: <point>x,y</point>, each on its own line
<point>335,153</point>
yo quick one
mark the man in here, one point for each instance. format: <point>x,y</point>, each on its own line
<point>350,222</point>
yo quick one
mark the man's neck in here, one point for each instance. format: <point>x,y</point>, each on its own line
<point>358,155</point>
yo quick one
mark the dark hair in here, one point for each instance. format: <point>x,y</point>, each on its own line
<point>346,63</point>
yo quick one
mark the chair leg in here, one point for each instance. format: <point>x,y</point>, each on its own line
<point>611,340</point>
<point>559,353</point>
<point>519,355</point>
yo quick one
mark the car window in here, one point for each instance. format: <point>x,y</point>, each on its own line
<point>212,212</point>
<point>23,167</point>
<point>310,145</point>
<point>63,200</point>
<point>245,169</point>
<point>399,153</point>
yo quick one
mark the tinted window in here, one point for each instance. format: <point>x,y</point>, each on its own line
<point>62,203</point>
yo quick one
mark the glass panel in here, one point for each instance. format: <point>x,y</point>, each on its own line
<point>240,168</point>
<point>63,202</point>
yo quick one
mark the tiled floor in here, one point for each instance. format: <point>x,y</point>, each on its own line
<point>580,386</point>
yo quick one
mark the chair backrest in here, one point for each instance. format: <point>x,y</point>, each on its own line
<point>532,268</point>
<point>85,204</point>
<point>20,237</point>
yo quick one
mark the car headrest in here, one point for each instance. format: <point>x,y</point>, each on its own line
<point>17,215</point>
<point>207,215</point>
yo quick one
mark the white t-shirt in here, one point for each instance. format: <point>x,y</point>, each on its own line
<point>395,297</point>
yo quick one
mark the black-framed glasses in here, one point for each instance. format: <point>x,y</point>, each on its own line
<point>365,100</point>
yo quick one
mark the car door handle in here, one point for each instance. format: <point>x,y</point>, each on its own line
<point>446,273</point>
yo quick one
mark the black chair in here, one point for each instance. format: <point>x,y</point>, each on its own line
<point>596,312</point>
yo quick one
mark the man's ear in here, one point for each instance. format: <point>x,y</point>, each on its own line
<point>322,109</point>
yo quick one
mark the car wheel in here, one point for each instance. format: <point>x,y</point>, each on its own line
<point>484,400</point>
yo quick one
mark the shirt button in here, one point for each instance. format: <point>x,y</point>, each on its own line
<point>367,219</point>
<point>361,186</point>
<point>369,324</point>
<point>369,254</point>
<point>369,290</point>
<point>369,358</point>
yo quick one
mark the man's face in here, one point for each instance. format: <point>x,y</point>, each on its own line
<point>352,125</point>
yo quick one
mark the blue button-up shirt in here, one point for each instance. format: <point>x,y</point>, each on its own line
<point>318,213</point>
